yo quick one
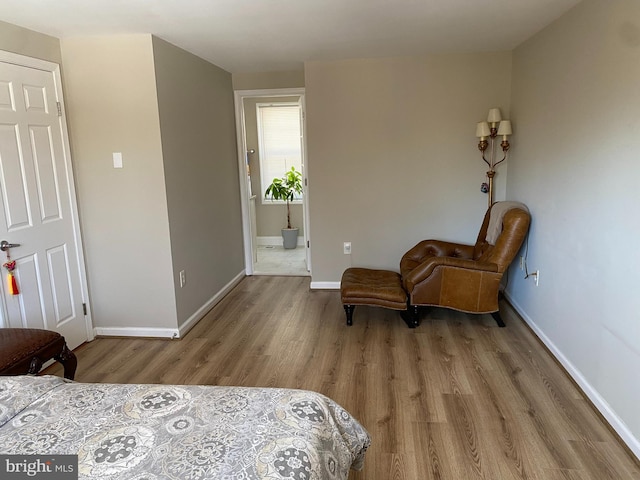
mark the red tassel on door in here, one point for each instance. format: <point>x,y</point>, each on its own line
<point>13,285</point>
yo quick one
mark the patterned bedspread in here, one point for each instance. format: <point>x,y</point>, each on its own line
<point>180,432</point>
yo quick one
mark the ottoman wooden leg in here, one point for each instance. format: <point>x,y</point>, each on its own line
<point>69,361</point>
<point>349,311</point>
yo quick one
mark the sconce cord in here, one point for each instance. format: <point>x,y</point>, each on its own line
<point>526,255</point>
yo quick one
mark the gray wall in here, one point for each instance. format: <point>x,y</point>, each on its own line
<point>262,80</point>
<point>576,108</point>
<point>392,156</point>
<point>112,107</point>
<point>195,100</point>
<point>29,43</point>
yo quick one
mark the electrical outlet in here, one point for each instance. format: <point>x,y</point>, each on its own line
<point>537,276</point>
<point>347,248</point>
<point>521,263</point>
<point>183,278</point>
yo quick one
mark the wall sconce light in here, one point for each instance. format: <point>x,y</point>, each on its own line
<point>490,129</point>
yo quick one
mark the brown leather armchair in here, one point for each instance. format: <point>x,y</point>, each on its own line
<point>466,277</point>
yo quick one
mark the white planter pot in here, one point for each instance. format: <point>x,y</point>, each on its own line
<point>289,237</point>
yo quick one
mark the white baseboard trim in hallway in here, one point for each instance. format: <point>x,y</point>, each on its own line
<point>325,286</point>
<point>276,241</point>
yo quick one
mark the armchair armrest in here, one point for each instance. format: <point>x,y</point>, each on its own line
<point>433,248</point>
<point>426,268</point>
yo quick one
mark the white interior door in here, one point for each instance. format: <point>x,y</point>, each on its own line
<point>305,183</point>
<point>37,207</point>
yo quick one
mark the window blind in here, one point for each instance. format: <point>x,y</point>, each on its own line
<point>279,138</point>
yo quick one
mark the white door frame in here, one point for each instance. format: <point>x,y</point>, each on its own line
<point>54,68</point>
<point>239,96</point>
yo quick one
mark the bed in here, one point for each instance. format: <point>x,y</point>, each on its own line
<point>180,432</point>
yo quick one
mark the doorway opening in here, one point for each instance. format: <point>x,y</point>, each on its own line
<point>270,134</point>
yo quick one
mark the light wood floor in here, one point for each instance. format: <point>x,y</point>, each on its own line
<point>457,398</point>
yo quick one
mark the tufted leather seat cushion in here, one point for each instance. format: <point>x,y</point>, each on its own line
<point>24,350</point>
<point>379,288</point>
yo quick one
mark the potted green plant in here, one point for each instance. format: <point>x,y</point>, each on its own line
<point>285,189</point>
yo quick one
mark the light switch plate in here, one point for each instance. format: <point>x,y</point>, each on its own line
<point>117,160</point>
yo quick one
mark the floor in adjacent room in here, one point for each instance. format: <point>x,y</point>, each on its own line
<point>276,260</point>
<point>456,398</point>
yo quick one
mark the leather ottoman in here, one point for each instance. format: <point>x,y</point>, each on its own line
<point>24,350</point>
<point>376,288</point>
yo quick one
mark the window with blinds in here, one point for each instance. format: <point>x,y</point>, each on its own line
<point>279,141</point>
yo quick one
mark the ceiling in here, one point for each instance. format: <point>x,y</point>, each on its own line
<point>268,35</point>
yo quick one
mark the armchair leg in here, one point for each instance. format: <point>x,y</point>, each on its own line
<point>496,316</point>
<point>349,311</point>
<point>410,316</point>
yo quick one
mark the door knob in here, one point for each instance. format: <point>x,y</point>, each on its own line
<point>4,245</point>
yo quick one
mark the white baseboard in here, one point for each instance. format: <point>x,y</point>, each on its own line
<point>276,241</point>
<point>212,302</point>
<point>172,333</point>
<point>325,286</point>
<point>598,401</point>
<point>137,332</point>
